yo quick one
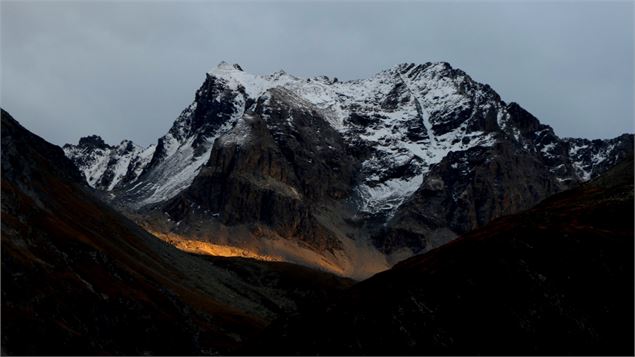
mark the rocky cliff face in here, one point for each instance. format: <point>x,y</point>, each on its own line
<point>385,167</point>
<point>271,168</point>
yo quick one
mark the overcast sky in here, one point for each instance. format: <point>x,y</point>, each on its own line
<point>126,69</point>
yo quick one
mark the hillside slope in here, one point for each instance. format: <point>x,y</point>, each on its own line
<point>80,278</point>
<point>556,279</point>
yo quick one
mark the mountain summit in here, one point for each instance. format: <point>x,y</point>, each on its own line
<point>347,176</point>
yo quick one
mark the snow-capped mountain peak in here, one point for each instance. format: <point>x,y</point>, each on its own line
<point>399,162</point>
<point>399,123</point>
<point>410,114</point>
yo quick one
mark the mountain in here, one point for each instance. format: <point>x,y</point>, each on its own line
<point>347,176</point>
<point>79,278</point>
<point>556,279</point>
<point>106,167</point>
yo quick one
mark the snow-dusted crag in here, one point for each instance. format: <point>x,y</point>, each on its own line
<point>108,167</point>
<point>349,176</point>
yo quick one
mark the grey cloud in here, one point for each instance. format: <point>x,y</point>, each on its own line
<point>126,69</point>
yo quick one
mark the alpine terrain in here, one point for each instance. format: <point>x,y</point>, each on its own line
<point>350,177</point>
<point>556,279</point>
<point>78,278</point>
<point>411,213</point>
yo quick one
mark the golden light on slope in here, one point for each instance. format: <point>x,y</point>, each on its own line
<point>354,261</point>
<point>198,247</point>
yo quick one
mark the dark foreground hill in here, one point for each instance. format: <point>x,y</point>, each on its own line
<point>79,278</point>
<point>556,279</point>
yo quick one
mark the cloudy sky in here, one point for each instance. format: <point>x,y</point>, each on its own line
<point>125,69</point>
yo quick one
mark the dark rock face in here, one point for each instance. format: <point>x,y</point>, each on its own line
<point>93,142</point>
<point>274,170</point>
<point>316,151</point>
<point>214,106</point>
<point>465,191</point>
<point>553,280</point>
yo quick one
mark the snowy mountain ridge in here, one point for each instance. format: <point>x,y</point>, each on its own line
<point>337,100</point>
<point>105,167</point>
<point>405,159</point>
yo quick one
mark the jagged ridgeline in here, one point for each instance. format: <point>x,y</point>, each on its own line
<point>346,176</point>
